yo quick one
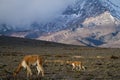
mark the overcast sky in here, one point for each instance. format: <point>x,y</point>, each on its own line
<point>24,12</point>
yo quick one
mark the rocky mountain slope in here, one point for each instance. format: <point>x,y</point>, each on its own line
<point>85,22</point>
<point>96,31</point>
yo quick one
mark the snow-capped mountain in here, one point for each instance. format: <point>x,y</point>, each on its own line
<point>96,31</point>
<point>84,22</point>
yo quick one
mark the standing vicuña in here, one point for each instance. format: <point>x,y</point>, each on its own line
<point>77,65</point>
<point>27,61</point>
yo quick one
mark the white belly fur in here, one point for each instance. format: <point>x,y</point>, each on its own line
<point>24,64</point>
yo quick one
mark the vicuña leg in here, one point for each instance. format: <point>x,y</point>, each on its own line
<point>29,72</point>
<point>83,67</point>
<point>40,68</point>
<point>17,70</point>
<point>73,67</point>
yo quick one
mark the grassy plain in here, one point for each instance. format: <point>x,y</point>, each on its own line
<point>100,63</point>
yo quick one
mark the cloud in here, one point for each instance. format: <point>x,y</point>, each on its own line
<point>23,12</point>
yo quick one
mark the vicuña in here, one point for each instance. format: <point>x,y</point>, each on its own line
<point>76,65</point>
<point>27,61</point>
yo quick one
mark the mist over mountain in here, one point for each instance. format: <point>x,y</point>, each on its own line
<point>51,15</point>
<point>21,14</point>
<point>79,22</point>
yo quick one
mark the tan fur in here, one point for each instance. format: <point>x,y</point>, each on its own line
<point>77,65</point>
<point>27,61</point>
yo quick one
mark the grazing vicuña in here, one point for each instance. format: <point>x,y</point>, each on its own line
<point>27,61</point>
<point>77,65</point>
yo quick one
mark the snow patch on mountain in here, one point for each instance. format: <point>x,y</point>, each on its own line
<point>113,6</point>
<point>96,31</point>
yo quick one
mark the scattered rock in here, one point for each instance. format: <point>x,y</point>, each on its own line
<point>114,57</point>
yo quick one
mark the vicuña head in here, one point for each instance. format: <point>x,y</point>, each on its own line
<point>27,61</point>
